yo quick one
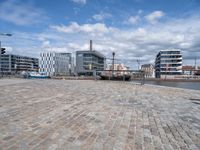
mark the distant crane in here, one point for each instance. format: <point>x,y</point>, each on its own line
<point>138,61</point>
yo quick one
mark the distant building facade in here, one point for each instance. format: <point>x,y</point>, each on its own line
<point>168,63</point>
<point>191,70</point>
<point>89,61</point>
<point>116,67</point>
<point>12,64</point>
<point>53,64</point>
<point>149,70</point>
<point>120,69</point>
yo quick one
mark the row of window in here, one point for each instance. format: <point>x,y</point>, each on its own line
<point>169,69</point>
<point>170,61</point>
<point>171,73</point>
<point>46,54</point>
<point>170,65</point>
<point>170,52</point>
<point>171,56</point>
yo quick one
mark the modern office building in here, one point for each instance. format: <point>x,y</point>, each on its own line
<point>89,61</point>
<point>53,64</point>
<point>149,71</point>
<point>12,64</point>
<point>168,63</point>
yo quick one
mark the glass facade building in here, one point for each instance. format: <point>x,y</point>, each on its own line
<point>53,64</point>
<point>89,61</point>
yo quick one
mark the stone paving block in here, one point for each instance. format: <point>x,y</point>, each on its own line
<point>96,115</point>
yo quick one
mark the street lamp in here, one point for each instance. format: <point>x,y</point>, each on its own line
<point>3,34</point>
<point>113,63</point>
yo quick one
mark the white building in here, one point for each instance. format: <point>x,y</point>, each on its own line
<point>149,70</point>
<point>53,64</point>
<point>168,63</point>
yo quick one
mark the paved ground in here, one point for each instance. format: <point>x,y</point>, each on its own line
<point>99,115</point>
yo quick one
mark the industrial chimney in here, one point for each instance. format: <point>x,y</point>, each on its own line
<point>90,45</point>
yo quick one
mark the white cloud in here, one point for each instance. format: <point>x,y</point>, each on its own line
<point>8,49</point>
<point>128,43</point>
<point>133,20</point>
<point>101,16</point>
<point>21,13</point>
<point>93,29</point>
<point>76,10</point>
<point>46,44</point>
<point>154,16</point>
<point>79,1</point>
<point>56,49</point>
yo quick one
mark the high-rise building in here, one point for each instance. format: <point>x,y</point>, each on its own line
<point>53,64</point>
<point>168,63</point>
<point>12,64</point>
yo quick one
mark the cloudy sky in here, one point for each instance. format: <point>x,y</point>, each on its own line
<point>134,29</point>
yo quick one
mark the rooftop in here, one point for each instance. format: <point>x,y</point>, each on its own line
<point>75,114</point>
<point>8,54</point>
<point>170,50</point>
<point>93,52</point>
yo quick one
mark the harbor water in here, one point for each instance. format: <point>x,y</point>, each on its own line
<point>185,85</point>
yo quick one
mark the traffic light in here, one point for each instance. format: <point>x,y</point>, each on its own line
<point>3,50</point>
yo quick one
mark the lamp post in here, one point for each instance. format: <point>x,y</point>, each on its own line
<point>2,34</point>
<point>113,63</point>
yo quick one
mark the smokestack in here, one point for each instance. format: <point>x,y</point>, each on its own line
<point>90,45</point>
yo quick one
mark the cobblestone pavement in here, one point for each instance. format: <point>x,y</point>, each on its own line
<point>97,115</point>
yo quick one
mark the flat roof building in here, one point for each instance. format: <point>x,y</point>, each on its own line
<point>12,64</point>
<point>168,63</point>
<point>89,61</point>
<point>53,64</point>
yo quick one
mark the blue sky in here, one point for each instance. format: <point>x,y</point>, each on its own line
<point>132,28</point>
